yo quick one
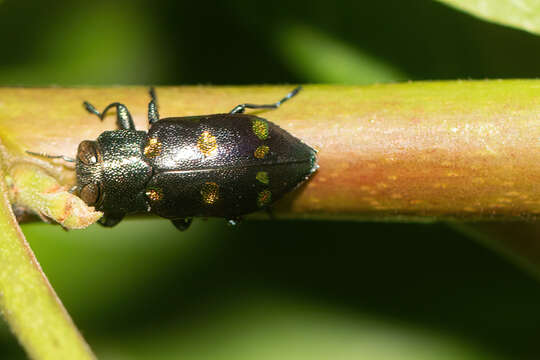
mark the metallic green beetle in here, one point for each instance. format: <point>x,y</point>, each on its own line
<point>221,165</point>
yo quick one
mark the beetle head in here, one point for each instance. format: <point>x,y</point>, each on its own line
<point>89,170</point>
<point>112,171</point>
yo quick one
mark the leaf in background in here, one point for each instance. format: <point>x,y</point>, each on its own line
<point>320,58</point>
<point>111,43</point>
<point>520,14</point>
<point>282,328</point>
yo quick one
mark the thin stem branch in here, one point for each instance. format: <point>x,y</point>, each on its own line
<point>27,300</point>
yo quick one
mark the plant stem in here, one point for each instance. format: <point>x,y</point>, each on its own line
<point>416,151</point>
<point>27,300</point>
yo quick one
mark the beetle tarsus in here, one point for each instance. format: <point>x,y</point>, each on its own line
<point>123,117</point>
<point>239,109</point>
<point>182,224</point>
<point>91,109</point>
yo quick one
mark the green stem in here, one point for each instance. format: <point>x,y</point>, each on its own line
<point>424,151</point>
<point>28,302</point>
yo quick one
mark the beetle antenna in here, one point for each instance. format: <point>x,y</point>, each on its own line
<point>65,158</point>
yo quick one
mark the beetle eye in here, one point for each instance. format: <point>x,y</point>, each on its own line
<point>90,194</point>
<point>87,153</point>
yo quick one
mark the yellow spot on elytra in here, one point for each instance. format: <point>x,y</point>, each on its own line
<point>392,177</point>
<point>207,144</point>
<point>154,194</point>
<point>152,148</point>
<point>261,151</point>
<point>260,128</point>
<point>262,176</point>
<point>264,198</point>
<point>210,192</point>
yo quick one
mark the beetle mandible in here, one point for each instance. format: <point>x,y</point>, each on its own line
<point>220,165</point>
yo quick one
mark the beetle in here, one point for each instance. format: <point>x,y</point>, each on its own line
<point>220,165</point>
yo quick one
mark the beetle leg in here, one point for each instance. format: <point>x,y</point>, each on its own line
<point>153,114</point>
<point>239,109</point>
<point>182,224</point>
<point>109,220</point>
<point>123,117</point>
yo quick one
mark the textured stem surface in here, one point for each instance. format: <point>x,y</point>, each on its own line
<point>414,151</point>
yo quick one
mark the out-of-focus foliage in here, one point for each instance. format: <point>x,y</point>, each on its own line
<point>521,14</point>
<point>143,290</point>
<point>321,59</point>
<point>72,44</point>
<point>273,289</point>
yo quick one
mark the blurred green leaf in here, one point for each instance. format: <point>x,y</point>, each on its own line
<point>115,262</point>
<point>321,58</point>
<point>520,14</point>
<point>113,42</point>
<point>267,328</point>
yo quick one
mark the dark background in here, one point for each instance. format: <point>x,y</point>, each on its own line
<point>274,290</point>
